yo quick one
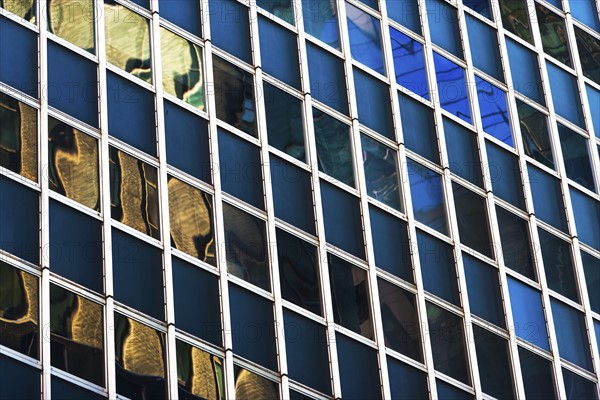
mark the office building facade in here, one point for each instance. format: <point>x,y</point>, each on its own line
<point>299,199</point>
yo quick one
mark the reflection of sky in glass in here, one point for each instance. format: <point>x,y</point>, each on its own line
<point>405,12</point>
<point>409,63</point>
<point>365,38</point>
<point>452,87</point>
<point>494,112</point>
<point>427,196</point>
<point>320,20</point>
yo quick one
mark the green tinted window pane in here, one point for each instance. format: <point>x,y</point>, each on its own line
<point>554,35</point>
<point>577,159</point>
<point>535,134</point>
<point>72,20</point>
<point>589,54</point>
<point>515,18</point>
<point>334,147</point>
<point>381,172</point>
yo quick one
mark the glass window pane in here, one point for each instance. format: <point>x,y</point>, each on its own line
<point>64,390</point>
<point>373,102</point>
<point>279,52</point>
<point>230,28</point>
<point>22,9</point>
<point>427,196</point>
<point>19,308</point>
<point>537,374</point>
<point>535,134</point>
<point>140,359</point>
<point>137,268</point>
<point>547,197</point>
<point>409,63</point>
<point>16,371</point>
<point>76,335</point>
<point>350,296</point>
<point>365,38</point>
<point>558,264</point>
<point>134,193</point>
<point>437,267</point>
<point>494,112</point>
<point>191,220</point>
<point>249,386</point>
<point>576,386</point>
<point>494,364</point>
<point>18,47</point>
<point>452,87</point>
<point>591,267</point>
<point>571,333</point>
<point>585,12</point>
<point>359,369</point>
<point>182,66</point>
<point>18,137</point>
<point>524,69</point>
<point>184,13</point>
<point>515,18</point>
<point>298,272</point>
<point>516,244</point>
<point>320,21</point>
<point>463,152</point>
<point>473,227</point>
<point>284,114</point>
<point>553,33</point>
<point>400,320</point>
<point>484,290</point>
<point>406,382</point>
<point>484,45</point>
<point>334,147</point>
<point>594,103</point>
<point>589,48</point>
<point>565,94</point>
<point>73,164</point>
<point>448,392</point>
<point>252,327</point>
<point>577,159</point>
<point>443,25</point>
<point>199,374</point>
<point>127,40</point>
<point>448,343</point>
<point>481,6</point>
<point>528,314</point>
<point>381,172</point>
<point>73,21</point>
<point>246,247</point>
<point>405,12</point>
<point>418,128</point>
<point>505,175</point>
<point>327,77</point>
<point>390,243</point>
<point>283,9</point>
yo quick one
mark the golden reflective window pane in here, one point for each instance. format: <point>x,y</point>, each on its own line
<point>199,373</point>
<point>134,193</point>
<point>21,8</point>
<point>72,20</point>
<point>182,68</point>
<point>127,40</point>
<point>73,164</point>
<point>18,137</point>
<point>250,386</point>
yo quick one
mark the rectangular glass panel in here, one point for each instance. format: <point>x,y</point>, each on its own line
<point>405,12</point>
<point>248,385</point>
<point>406,382</point>
<point>438,268</point>
<point>558,264</point>
<point>327,78</point>
<point>409,63</point>
<point>381,172</point>
<point>484,46</point>
<point>427,196</point>
<point>515,18</point>
<point>494,364</point>
<point>494,111</point>
<point>18,48</point>
<point>279,52</point>
<point>535,134</point>
<point>283,9</point>
<point>463,152</point>
<point>452,87</point>
<point>565,94</point>
<point>418,128</point>
<point>284,114</point>
<point>358,369</point>
<point>516,245</point>
<point>72,20</point>
<point>547,198</point>
<point>537,375</point>
<point>505,175</point>
<point>554,35</point>
<point>571,334</point>
<point>230,28</point>
<point>199,374</point>
<point>473,226</point>
<point>585,12</point>
<point>525,71</point>
<point>587,215</point>
<point>365,38</point>
<point>484,290</point>
<point>320,21</point>
<point>576,157</point>
<point>443,25</point>
<point>528,313</point>
<point>373,102</point>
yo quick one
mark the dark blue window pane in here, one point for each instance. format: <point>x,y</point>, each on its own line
<point>373,102</point>
<point>381,172</point>
<point>405,12</point>
<point>537,374</point>
<point>571,333</point>
<point>320,21</point>
<point>484,46</point>
<point>427,196</point>
<point>558,264</point>
<point>19,230</point>
<point>525,71</point>
<point>528,314</point>
<point>516,245</point>
<point>597,331</point>
<point>390,242</point>
<point>494,364</point>
<point>252,327</point>
<point>576,386</point>
<point>547,198</point>
<point>473,227</point>
<point>187,142</point>
<point>555,3</point>
<point>284,121</point>
<point>230,29</point>
<point>452,87</point>
<point>484,290</point>
<point>76,246</point>
<point>183,13</point>
<point>418,128</point>
<point>535,134</point>
<point>406,382</point>
<point>437,267</point>
<point>448,392</point>
<point>565,94</point>
<point>334,147</point>
<point>131,113</point>
<point>240,168</point>
<point>27,376</point>
<point>18,57</point>
<point>365,38</point>
<point>138,274</point>
<point>371,3</point>
<point>494,112</point>
<point>463,152</point>
<point>577,159</point>
<point>283,9</point>
<point>279,52</point>
<point>359,370</point>
<point>327,78</point>
<point>594,100</point>
<point>585,12</point>
<point>64,390</point>
<point>306,346</point>
<point>443,25</point>
<point>292,194</point>
<point>591,267</point>
<point>343,224</point>
<point>197,308</point>
<point>409,63</point>
<point>481,6</point>
<point>505,175</point>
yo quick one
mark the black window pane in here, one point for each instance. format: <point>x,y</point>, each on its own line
<point>577,158</point>
<point>537,374</point>
<point>64,390</point>
<point>230,28</point>
<point>18,49</point>
<point>279,52</point>
<point>199,374</point>
<point>448,392</point>
<point>484,290</point>
<point>558,264</point>
<point>27,376</point>
<point>494,364</point>
<point>472,218</point>
<point>418,128</point>
<point>577,387</point>
<point>591,266</point>
<point>463,152</point>
<point>516,245</point>
<point>437,267</point>
<point>535,134</point>
<point>359,370</point>
<point>406,382</point>
<point>284,121</point>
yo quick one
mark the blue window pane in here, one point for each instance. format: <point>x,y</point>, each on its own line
<point>437,267</point>
<point>365,38</point>
<point>558,264</point>
<point>481,6</point>
<point>577,159</point>
<point>443,25</point>
<point>183,13</point>
<point>131,113</point>
<point>484,290</point>
<point>76,246</point>
<point>409,63</point>
<point>538,378</point>
<point>252,327</point>
<point>306,346</point>
<point>230,29</point>
<point>327,78</point>
<point>197,308</point>
<point>64,390</point>
<point>405,12</point>
<point>591,267</point>
<point>18,55</point>
<point>547,198</point>
<point>565,94</point>
<point>484,46</point>
<point>505,175</point>
<point>585,12</point>
<point>473,227</point>
<point>137,268</point>
<point>594,100</point>
<point>371,3</point>
<point>320,21</point>
<point>571,334</point>
<point>427,196</point>
<point>390,242</point>
<point>448,392</point>
<point>418,128</point>
<point>528,314</point>
<point>494,363</point>
<point>381,172</point>
<point>597,331</point>
<point>452,87</point>
<point>359,369</point>
<point>587,215</point>
<point>525,71</point>
<point>494,112</point>
<point>187,142</point>
<point>334,147</point>
<point>284,114</point>
<point>279,52</point>
<point>535,134</point>
<point>283,9</point>
<point>19,230</point>
<point>516,245</point>
<point>463,152</point>
<point>26,375</point>
<point>373,102</point>
<point>406,382</point>
<point>576,386</point>
<point>240,168</point>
